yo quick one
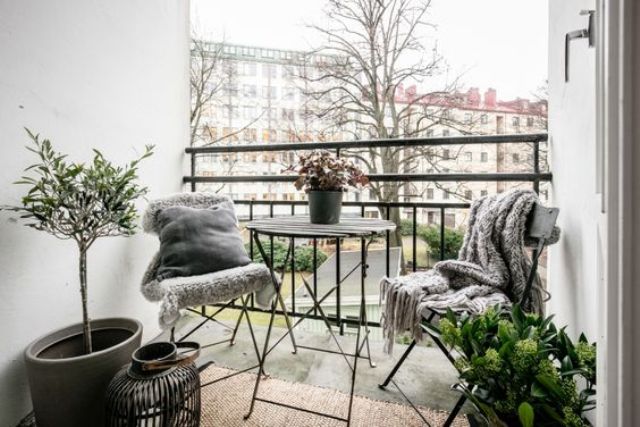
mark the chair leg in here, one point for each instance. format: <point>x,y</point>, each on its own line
<point>397,365</point>
<point>455,411</point>
<point>243,312</point>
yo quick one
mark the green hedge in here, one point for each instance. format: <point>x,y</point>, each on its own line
<point>303,259</point>
<point>431,234</point>
<point>452,240</point>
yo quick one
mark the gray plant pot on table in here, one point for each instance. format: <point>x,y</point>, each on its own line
<point>68,387</point>
<point>325,206</point>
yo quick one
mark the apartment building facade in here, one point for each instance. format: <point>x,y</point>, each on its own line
<point>261,99</point>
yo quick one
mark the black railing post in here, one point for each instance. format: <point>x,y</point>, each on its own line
<point>414,236</point>
<point>293,267</point>
<point>388,245</point>
<point>315,273</point>
<point>251,245</point>
<point>338,284</point>
<point>193,171</point>
<point>442,217</point>
<point>536,165</point>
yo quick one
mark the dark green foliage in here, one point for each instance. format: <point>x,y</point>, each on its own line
<point>303,255</point>
<point>453,238</point>
<point>406,227</point>
<point>521,369</point>
<point>79,201</point>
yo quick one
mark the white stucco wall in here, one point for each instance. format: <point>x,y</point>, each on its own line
<point>111,75</point>
<point>573,271</point>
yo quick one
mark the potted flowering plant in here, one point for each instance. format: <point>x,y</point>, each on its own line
<point>325,177</point>
<point>520,369</point>
<point>69,369</point>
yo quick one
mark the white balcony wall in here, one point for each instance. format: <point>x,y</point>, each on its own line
<point>573,264</point>
<point>108,75</point>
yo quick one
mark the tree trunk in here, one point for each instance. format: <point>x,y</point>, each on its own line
<point>395,237</point>
<point>86,325</point>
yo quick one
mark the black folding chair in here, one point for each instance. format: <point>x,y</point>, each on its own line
<point>539,229</point>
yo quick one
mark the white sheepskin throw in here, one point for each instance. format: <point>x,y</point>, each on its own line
<point>178,293</point>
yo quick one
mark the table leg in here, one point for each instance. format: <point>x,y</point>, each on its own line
<point>274,305</point>
<point>364,246</point>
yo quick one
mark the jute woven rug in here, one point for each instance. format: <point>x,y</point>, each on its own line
<point>225,403</point>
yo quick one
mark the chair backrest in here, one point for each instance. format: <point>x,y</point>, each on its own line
<point>191,200</point>
<point>541,222</point>
<point>539,228</point>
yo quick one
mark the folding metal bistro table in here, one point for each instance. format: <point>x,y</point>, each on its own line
<point>300,227</point>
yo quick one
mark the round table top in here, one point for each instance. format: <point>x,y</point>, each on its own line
<point>301,226</point>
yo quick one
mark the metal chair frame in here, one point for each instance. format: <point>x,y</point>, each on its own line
<point>539,227</point>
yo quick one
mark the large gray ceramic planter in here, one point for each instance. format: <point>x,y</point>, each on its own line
<point>325,206</point>
<point>67,387</point>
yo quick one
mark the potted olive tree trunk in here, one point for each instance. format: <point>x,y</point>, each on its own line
<point>325,178</point>
<point>69,369</point>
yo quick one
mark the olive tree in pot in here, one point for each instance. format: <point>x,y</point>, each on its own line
<point>69,369</point>
<point>325,178</point>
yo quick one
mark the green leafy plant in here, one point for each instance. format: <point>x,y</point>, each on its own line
<point>322,171</point>
<point>520,369</point>
<point>453,238</point>
<point>303,255</point>
<point>80,202</point>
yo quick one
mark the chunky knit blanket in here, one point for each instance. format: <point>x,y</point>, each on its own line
<point>492,268</point>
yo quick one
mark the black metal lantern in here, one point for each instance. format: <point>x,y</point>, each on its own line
<point>160,388</point>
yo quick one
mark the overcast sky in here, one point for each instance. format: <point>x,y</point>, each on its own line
<point>491,43</point>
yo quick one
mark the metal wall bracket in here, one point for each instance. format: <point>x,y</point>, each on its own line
<point>585,33</point>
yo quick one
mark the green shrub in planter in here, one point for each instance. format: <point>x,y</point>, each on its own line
<point>520,369</point>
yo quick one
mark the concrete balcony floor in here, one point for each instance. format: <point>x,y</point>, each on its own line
<point>426,376</point>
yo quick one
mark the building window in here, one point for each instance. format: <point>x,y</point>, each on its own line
<point>484,119</point>
<point>289,93</point>
<point>484,157</point>
<point>269,71</point>
<point>429,133</point>
<point>445,132</point>
<point>248,69</point>
<point>467,118</point>
<point>269,135</point>
<point>515,121</point>
<point>229,111</point>
<point>446,155</point>
<point>250,134</point>
<point>269,92</point>
<point>250,112</point>
<point>483,193</point>
<point>468,156</point>
<point>288,71</point>
<point>430,193</point>
<point>249,91</point>
<point>230,133</point>
<point>468,194</point>
<point>529,121</point>
<point>515,157</point>
<point>230,89</point>
<point>431,217</point>
<point>445,194</point>
<point>288,114</point>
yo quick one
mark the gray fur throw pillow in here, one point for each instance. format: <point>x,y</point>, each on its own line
<point>199,241</point>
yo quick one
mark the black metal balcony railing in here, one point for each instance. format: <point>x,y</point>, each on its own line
<point>535,177</point>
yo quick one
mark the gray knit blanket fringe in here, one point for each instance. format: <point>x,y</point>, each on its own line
<point>492,268</point>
